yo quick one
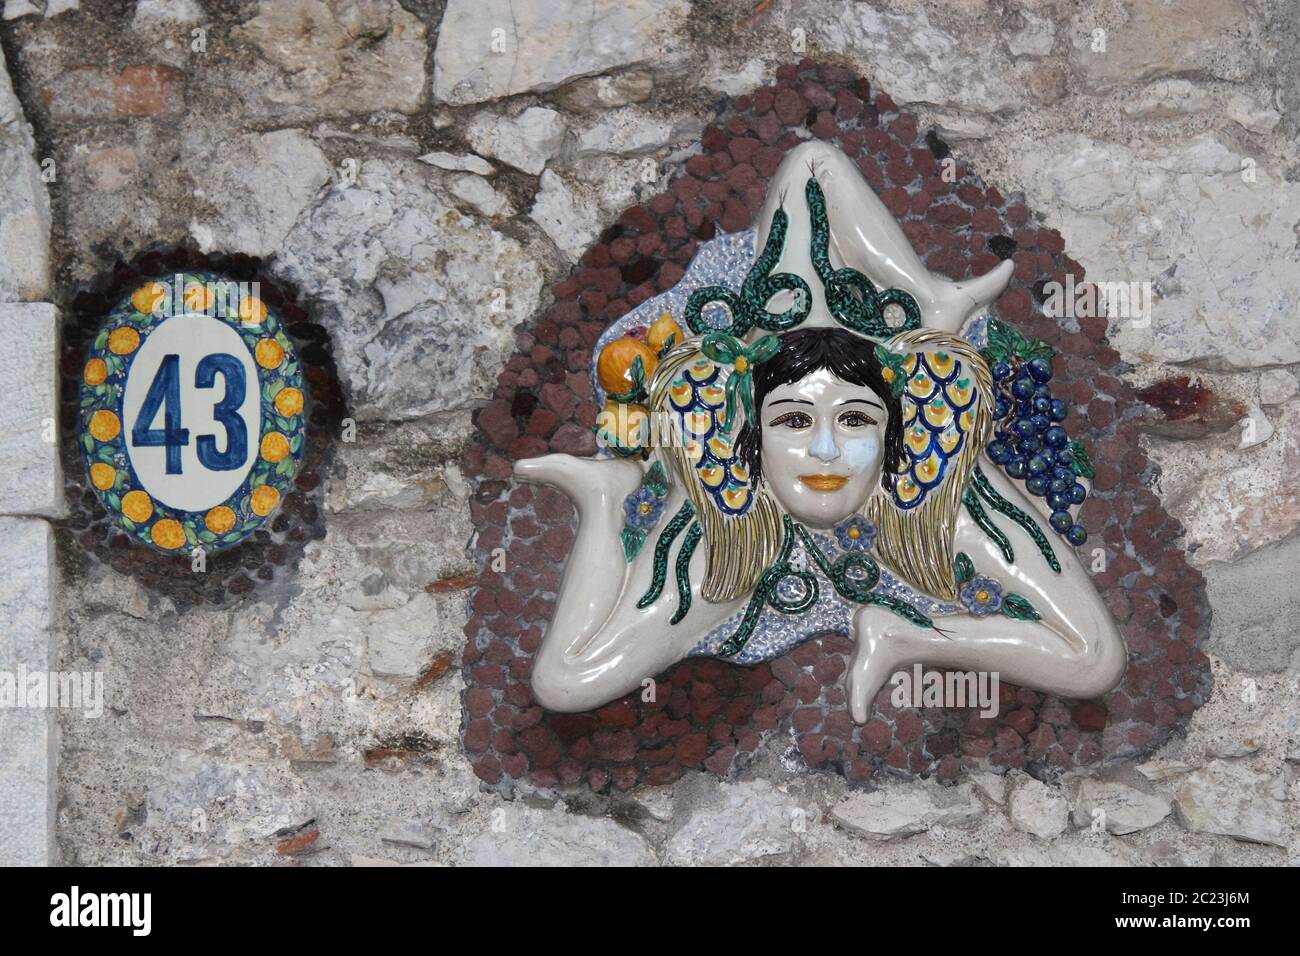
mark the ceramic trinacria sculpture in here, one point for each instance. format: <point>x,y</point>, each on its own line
<point>797,452</point>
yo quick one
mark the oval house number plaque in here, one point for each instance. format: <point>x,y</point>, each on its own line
<point>192,412</point>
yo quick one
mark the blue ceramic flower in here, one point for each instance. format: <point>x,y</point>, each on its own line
<point>642,509</point>
<point>856,534</point>
<point>982,596</point>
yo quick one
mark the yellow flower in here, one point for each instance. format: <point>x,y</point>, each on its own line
<point>741,364</point>
<point>219,520</point>
<point>167,533</point>
<point>96,372</point>
<point>265,498</point>
<point>123,341</point>
<point>137,506</point>
<point>104,425</point>
<point>288,402</point>
<point>252,310</point>
<point>102,476</point>
<point>269,353</point>
<point>198,298</point>
<point>274,446</point>
<point>149,297</point>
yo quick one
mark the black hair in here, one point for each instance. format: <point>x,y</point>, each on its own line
<point>849,357</point>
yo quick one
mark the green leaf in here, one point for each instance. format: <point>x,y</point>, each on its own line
<point>656,480</point>
<point>88,442</point>
<point>1018,608</point>
<point>128,523</point>
<point>101,340</point>
<point>206,535</point>
<point>1080,462</point>
<point>113,501</point>
<point>964,567</point>
<point>633,541</point>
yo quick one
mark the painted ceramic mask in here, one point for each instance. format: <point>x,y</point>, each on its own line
<point>821,436</point>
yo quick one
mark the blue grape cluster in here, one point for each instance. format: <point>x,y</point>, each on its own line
<point>1030,443</point>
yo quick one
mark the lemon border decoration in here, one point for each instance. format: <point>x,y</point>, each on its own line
<point>280,442</point>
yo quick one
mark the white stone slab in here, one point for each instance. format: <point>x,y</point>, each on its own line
<point>28,743</point>
<point>31,478</point>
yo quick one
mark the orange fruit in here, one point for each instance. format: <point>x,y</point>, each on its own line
<point>104,425</point>
<point>252,310</point>
<point>269,353</point>
<point>219,520</point>
<point>663,327</point>
<point>288,402</point>
<point>137,506</point>
<point>167,533</point>
<point>614,367</point>
<point>265,498</point>
<point>149,297</point>
<point>274,446</point>
<point>96,372</point>
<point>198,298</point>
<point>123,341</point>
<point>102,476</point>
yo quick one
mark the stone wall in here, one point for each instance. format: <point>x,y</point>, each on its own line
<point>425,173</point>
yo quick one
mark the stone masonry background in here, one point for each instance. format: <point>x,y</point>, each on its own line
<point>424,172</point>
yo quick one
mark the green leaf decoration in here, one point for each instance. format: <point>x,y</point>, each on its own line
<point>1005,343</point>
<point>964,567</point>
<point>1080,462</point>
<point>206,535</point>
<point>88,442</point>
<point>669,344</point>
<point>1018,608</point>
<point>656,479</point>
<point>633,542</point>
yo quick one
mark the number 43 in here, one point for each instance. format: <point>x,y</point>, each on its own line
<point>165,393</point>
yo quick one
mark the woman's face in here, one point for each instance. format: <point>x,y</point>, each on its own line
<point>823,447</point>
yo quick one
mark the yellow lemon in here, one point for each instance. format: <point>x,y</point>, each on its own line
<point>104,425</point>
<point>123,341</point>
<point>614,367</point>
<point>149,297</point>
<point>96,372</point>
<point>252,310</point>
<point>624,426</point>
<point>268,353</point>
<point>137,506</point>
<point>274,446</point>
<point>288,402</point>
<point>265,498</point>
<point>219,520</point>
<point>102,476</point>
<point>167,533</point>
<point>663,327</point>
<point>198,298</point>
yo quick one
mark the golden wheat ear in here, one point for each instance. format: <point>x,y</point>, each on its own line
<point>947,405</point>
<point>741,525</point>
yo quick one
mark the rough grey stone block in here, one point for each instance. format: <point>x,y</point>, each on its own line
<point>24,206</point>
<point>31,479</point>
<point>28,744</point>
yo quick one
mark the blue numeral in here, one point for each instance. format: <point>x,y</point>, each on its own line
<point>164,391</point>
<point>226,412</point>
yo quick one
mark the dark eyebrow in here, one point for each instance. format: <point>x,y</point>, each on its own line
<point>864,401</point>
<point>782,401</point>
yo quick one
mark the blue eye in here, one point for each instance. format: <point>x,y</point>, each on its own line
<point>856,419</point>
<point>792,420</point>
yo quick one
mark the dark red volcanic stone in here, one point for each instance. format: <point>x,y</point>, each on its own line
<point>711,714</point>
